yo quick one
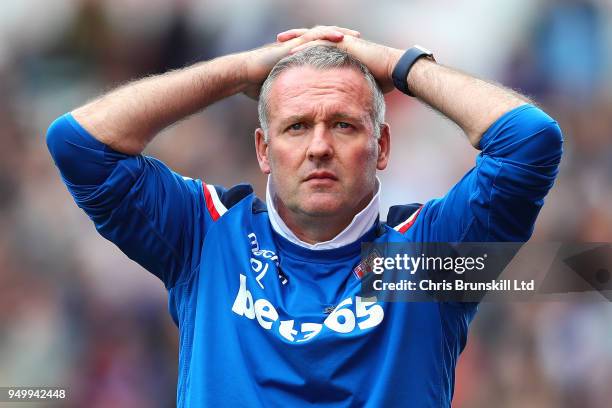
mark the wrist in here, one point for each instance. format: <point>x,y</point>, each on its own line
<point>394,56</point>
<point>237,67</point>
<point>416,78</point>
<point>229,72</point>
<point>404,66</point>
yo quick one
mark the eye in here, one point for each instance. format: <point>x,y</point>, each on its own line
<point>296,128</point>
<point>344,125</point>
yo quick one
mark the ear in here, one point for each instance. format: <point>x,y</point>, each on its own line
<point>384,146</point>
<point>261,148</point>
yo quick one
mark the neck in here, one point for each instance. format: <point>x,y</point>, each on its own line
<point>313,229</point>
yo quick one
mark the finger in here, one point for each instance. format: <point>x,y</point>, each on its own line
<point>297,32</point>
<point>311,44</point>
<point>347,31</point>
<point>289,34</point>
<point>323,33</point>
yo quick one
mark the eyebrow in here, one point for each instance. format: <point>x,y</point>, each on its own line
<point>335,116</point>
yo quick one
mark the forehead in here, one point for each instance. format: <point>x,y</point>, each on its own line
<point>312,91</point>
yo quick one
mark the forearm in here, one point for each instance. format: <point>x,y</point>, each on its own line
<point>473,104</point>
<point>128,117</point>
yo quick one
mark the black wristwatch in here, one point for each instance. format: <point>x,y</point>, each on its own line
<point>400,72</point>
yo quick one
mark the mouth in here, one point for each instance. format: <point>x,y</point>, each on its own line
<point>321,175</point>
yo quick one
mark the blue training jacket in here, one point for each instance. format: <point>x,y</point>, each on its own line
<point>266,323</point>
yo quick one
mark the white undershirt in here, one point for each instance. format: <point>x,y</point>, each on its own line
<point>361,223</point>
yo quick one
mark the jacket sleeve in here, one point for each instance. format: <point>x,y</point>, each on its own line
<point>499,199</point>
<point>154,215</point>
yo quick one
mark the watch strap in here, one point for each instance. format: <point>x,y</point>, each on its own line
<point>400,72</point>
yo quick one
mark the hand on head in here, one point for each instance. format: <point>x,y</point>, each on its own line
<point>260,61</point>
<point>379,59</point>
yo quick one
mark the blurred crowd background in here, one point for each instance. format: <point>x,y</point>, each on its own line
<point>75,312</point>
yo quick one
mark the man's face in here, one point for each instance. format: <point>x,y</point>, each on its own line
<point>322,153</point>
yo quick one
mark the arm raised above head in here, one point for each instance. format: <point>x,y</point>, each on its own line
<point>128,117</point>
<point>472,103</point>
<point>500,198</point>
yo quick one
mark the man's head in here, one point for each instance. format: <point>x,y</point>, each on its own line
<point>323,134</point>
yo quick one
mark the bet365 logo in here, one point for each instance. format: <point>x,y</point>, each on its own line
<point>348,316</point>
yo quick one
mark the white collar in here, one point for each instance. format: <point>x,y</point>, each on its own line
<point>361,223</point>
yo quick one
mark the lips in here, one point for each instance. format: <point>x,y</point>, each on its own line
<point>321,175</point>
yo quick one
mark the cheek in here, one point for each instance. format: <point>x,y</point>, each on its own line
<point>364,160</point>
<point>281,162</point>
<point>361,168</point>
<point>287,156</point>
<point>284,168</point>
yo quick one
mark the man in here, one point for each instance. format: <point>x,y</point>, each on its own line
<point>266,295</point>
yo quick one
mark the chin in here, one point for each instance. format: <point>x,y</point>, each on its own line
<point>323,206</point>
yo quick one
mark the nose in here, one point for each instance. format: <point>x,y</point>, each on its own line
<point>321,144</point>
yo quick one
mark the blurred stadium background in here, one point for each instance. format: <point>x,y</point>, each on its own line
<point>75,312</point>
